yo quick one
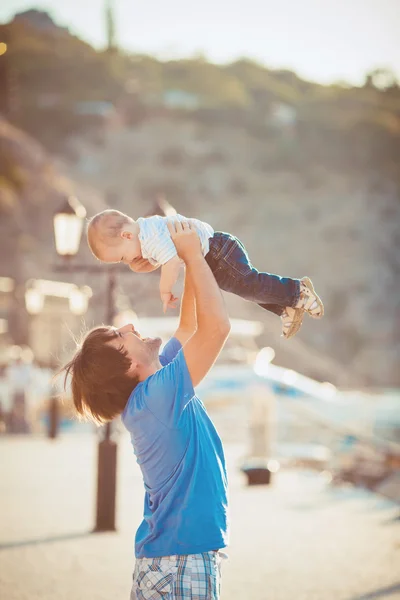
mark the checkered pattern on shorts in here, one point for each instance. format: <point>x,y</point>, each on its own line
<point>186,577</point>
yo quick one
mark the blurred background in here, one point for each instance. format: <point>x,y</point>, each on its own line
<point>279,123</point>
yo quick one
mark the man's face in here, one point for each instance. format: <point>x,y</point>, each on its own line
<point>142,352</point>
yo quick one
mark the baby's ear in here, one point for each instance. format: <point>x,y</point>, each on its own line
<point>126,235</point>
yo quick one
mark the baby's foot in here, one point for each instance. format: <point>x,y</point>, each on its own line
<point>309,299</point>
<point>292,319</point>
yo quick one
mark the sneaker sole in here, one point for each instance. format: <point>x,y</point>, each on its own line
<point>296,324</point>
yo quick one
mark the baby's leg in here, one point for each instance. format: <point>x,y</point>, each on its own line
<point>288,298</point>
<point>235,273</point>
<point>274,308</point>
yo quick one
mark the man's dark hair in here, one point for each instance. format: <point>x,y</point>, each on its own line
<point>99,377</point>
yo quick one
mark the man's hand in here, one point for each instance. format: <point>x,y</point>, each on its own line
<point>142,265</point>
<point>186,239</point>
<point>168,300</point>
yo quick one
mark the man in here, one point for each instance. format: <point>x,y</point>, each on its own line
<point>179,452</point>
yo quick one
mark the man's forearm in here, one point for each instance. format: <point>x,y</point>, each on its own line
<point>210,307</point>
<point>187,319</point>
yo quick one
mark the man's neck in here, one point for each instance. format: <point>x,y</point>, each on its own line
<point>150,370</point>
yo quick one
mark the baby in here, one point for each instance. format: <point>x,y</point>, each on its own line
<point>114,237</point>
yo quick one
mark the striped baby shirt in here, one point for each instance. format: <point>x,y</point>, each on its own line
<point>155,239</point>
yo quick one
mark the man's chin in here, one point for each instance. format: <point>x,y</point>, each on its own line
<point>154,342</point>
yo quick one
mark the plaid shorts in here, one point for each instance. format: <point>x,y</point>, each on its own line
<point>186,577</point>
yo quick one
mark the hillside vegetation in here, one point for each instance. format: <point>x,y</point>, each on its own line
<point>319,195</point>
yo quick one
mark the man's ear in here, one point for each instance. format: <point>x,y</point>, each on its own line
<point>126,235</point>
<point>133,368</point>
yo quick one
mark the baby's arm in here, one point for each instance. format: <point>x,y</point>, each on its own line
<point>169,275</point>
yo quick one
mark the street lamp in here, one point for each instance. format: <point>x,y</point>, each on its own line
<point>258,467</point>
<point>161,207</point>
<point>68,225</point>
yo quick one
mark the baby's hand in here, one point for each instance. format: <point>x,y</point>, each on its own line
<point>142,265</point>
<point>168,300</point>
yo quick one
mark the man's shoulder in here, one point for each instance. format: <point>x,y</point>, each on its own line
<point>167,380</point>
<point>150,386</point>
<point>137,411</point>
<point>167,371</point>
<point>170,351</point>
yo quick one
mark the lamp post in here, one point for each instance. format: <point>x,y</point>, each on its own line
<point>68,225</point>
<point>259,466</point>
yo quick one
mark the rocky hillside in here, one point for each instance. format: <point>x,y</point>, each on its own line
<point>31,190</point>
<point>306,175</point>
<point>338,226</point>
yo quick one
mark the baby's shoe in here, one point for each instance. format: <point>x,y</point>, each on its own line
<point>292,318</point>
<point>309,299</point>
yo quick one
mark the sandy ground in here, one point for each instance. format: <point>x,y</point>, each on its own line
<point>298,539</point>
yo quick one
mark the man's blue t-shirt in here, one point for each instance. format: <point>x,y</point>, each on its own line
<point>182,461</point>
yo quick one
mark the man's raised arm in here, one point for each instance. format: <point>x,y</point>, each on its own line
<point>187,318</point>
<point>213,325</point>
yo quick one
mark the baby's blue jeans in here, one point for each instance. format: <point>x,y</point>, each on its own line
<point>234,273</point>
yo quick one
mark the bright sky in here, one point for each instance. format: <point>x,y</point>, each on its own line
<point>322,40</point>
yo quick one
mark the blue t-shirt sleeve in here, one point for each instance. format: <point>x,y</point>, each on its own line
<point>170,350</point>
<point>168,392</point>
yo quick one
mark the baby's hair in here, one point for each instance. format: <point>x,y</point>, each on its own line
<point>104,230</point>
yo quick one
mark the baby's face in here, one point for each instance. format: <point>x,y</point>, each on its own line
<point>125,251</point>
